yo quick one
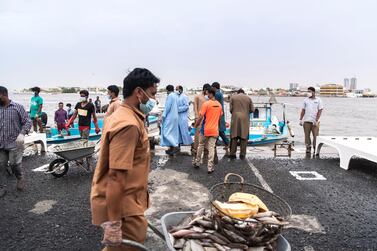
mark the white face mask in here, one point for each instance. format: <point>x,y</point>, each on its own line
<point>309,94</point>
<point>109,97</point>
<point>83,99</point>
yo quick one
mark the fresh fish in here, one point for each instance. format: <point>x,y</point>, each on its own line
<point>238,246</point>
<point>197,236</point>
<point>234,237</point>
<point>177,228</point>
<point>255,249</point>
<point>217,240</point>
<point>182,233</point>
<point>210,249</point>
<point>219,247</point>
<point>187,246</point>
<point>179,243</point>
<point>195,246</point>
<point>200,212</point>
<point>264,214</point>
<point>198,229</point>
<point>204,223</point>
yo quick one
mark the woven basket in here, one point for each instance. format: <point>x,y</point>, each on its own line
<point>263,233</point>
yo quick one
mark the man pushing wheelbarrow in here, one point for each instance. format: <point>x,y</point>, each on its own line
<point>119,195</point>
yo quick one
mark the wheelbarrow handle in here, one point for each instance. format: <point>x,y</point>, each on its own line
<point>233,174</point>
<point>134,244</point>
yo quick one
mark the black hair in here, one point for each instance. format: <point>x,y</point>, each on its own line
<point>60,103</point>
<point>170,88</point>
<point>85,92</point>
<point>139,77</point>
<point>113,89</point>
<point>240,91</point>
<point>212,91</point>
<point>3,91</point>
<point>180,87</point>
<point>311,89</point>
<point>216,85</point>
<point>206,87</point>
<point>68,104</point>
<point>36,89</point>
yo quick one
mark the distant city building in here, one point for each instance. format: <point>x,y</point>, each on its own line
<point>347,83</point>
<point>353,84</point>
<point>293,86</point>
<point>331,90</point>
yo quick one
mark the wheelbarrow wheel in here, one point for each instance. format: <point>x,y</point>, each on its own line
<point>62,169</point>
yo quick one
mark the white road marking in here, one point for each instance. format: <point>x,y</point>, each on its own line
<point>307,223</point>
<point>43,206</point>
<point>41,168</point>
<point>260,178</point>
<point>303,175</point>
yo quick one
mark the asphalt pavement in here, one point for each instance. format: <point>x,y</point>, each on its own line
<point>333,209</point>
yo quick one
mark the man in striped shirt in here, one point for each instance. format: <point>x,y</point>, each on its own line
<point>14,124</point>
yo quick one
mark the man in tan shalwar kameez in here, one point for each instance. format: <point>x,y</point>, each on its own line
<point>240,107</point>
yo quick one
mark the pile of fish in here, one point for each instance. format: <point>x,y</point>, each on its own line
<point>208,230</point>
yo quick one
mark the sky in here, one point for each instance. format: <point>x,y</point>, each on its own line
<point>245,43</point>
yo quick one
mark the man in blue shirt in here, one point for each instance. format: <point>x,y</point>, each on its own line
<point>222,126</point>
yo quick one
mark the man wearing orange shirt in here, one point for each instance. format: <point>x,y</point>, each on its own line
<point>211,112</point>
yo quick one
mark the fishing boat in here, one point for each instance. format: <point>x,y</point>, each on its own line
<point>265,127</point>
<point>54,137</point>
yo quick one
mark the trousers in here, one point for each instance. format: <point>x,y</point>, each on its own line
<point>211,143</point>
<point>310,129</point>
<point>234,143</point>
<point>13,159</point>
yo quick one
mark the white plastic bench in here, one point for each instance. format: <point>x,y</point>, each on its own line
<point>348,147</point>
<point>37,138</point>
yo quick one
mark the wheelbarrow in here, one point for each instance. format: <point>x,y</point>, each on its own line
<point>71,151</point>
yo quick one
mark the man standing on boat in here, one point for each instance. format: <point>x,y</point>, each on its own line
<point>240,107</point>
<point>13,127</point>
<point>97,103</point>
<point>183,110</point>
<point>112,94</point>
<point>119,195</point>
<point>85,110</point>
<point>198,102</point>
<point>309,118</point>
<point>36,104</point>
<point>222,126</point>
<point>170,117</point>
<point>211,111</point>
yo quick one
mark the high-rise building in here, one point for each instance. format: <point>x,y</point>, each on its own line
<point>293,86</point>
<point>347,83</point>
<point>353,84</point>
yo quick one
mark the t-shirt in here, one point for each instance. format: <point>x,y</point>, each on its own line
<point>84,113</point>
<point>61,116</point>
<point>311,107</point>
<point>212,111</point>
<point>36,101</point>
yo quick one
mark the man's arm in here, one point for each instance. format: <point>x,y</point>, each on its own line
<point>319,113</point>
<point>198,121</point>
<point>302,114</point>
<point>184,106</point>
<point>114,194</point>
<point>120,161</point>
<point>25,121</point>
<point>251,107</point>
<point>196,106</point>
<point>231,105</point>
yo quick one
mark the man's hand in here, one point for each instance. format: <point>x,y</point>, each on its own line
<point>301,123</point>
<point>97,129</point>
<point>112,235</point>
<point>20,140</point>
<point>315,123</point>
